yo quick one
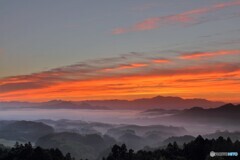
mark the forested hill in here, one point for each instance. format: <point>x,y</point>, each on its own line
<point>198,149</point>
<point>27,152</point>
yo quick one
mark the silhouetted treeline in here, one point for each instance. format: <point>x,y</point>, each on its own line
<point>197,149</point>
<point>27,152</point>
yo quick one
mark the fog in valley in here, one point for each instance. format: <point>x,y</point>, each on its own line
<point>90,133</point>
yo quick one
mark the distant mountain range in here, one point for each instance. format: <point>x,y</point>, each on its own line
<point>137,104</point>
<point>228,115</point>
<point>157,102</point>
<point>225,114</point>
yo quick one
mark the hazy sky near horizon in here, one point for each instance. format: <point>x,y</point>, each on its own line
<point>79,49</point>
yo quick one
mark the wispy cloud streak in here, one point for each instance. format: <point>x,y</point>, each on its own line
<point>198,55</point>
<point>188,17</point>
<point>129,75</point>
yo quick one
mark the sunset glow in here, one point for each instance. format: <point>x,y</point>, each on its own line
<point>145,50</point>
<point>211,81</point>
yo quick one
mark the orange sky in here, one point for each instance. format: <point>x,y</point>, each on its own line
<point>124,50</point>
<point>213,75</point>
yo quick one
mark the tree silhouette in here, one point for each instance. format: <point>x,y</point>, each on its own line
<point>28,152</point>
<point>198,149</point>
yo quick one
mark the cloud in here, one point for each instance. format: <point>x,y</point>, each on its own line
<point>188,17</point>
<point>76,72</point>
<point>127,66</point>
<point>131,74</point>
<point>21,86</point>
<point>198,55</point>
<point>161,61</point>
<point>153,23</point>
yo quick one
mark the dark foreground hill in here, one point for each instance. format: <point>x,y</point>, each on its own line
<point>80,146</point>
<point>234,136</point>
<point>138,137</point>
<point>28,152</point>
<point>23,130</point>
<point>198,149</point>
<point>228,114</point>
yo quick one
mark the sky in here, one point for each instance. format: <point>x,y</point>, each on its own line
<point>82,50</point>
